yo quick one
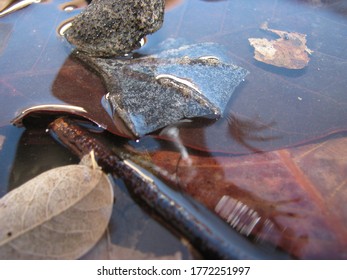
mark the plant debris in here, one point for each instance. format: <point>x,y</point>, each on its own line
<point>203,229</point>
<point>289,51</point>
<point>4,4</point>
<point>60,214</point>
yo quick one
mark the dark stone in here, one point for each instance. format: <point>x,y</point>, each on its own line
<point>115,27</point>
<point>152,92</point>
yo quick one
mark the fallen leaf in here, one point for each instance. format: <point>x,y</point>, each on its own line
<point>129,226</point>
<point>289,51</point>
<point>4,4</point>
<point>301,191</point>
<point>60,214</point>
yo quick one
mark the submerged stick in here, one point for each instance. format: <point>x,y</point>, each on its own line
<point>203,229</point>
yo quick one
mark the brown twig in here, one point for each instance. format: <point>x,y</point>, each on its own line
<point>204,230</point>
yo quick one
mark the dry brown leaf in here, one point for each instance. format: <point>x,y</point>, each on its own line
<point>60,214</point>
<point>4,4</point>
<point>289,51</point>
<point>301,191</point>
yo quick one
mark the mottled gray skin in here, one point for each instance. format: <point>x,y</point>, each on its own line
<point>115,27</point>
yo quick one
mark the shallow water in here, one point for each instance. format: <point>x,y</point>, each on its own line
<point>298,116</point>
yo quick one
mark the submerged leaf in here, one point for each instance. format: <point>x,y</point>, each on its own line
<point>293,198</point>
<point>60,214</point>
<point>289,51</point>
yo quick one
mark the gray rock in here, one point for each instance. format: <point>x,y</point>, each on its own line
<point>115,27</point>
<point>152,92</point>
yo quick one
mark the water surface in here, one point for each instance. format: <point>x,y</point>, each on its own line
<point>277,151</point>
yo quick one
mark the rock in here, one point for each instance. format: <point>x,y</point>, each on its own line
<point>152,92</point>
<point>115,27</point>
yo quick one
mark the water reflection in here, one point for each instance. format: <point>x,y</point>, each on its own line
<point>152,92</point>
<point>16,6</point>
<point>39,151</point>
<point>170,4</point>
<point>9,137</point>
<point>300,106</point>
<point>261,184</point>
<point>5,32</point>
<point>273,109</point>
<point>243,131</point>
<point>74,4</point>
<point>64,26</point>
<point>210,181</point>
<point>130,227</point>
